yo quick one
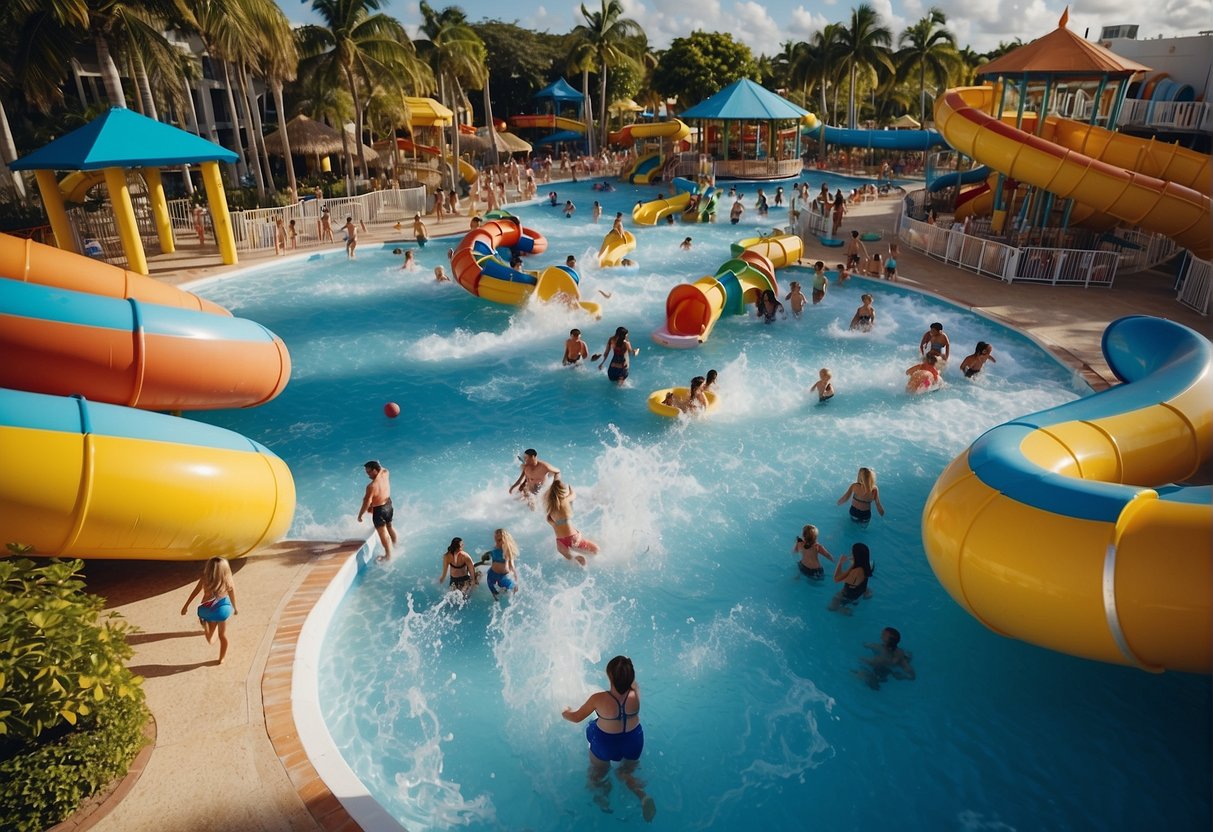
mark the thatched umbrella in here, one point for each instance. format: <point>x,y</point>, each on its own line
<point>307,138</point>
<point>513,144</point>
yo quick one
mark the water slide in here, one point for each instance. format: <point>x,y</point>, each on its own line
<point>93,479</point>
<point>480,269</point>
<point>1159,187</point>
<point>963,177</point>
<point>548,121</point>
<point>467,171</point>
<point>75,186</point>
<point>615,247</point>
<point>879,139</point>
<point>656,210</point>
<point>781,249</point>
<point>641,172</point>
<point>649,165</point>
<point>1067,528</point>
<point>692,309</point>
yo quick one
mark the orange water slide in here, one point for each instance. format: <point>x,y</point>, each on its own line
<point>1159,187</point>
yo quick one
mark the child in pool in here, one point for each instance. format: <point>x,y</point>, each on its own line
<point>709,381</point>
<point>844,274</point>
<point>797,299</point>
<point>820,282</point>
<point>889,660</point>
<point>973,364</point>
<point>862,494</point>
<point>865,316</point>
<point>809,549</point>
<point>440,275</point>
<point>218,592</point>
<point>824,388</point>
<point>924,377</point>
<point>853,572</point>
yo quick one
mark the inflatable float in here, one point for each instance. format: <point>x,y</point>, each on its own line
<point>658,406</point>
<point>615,247</point>
<point>1071,528</point>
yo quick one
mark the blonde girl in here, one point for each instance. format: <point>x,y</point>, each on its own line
<point>218,592</point>
<point>808,548</point>
<point>559,503</point>
<point>862,494</point>
<point>501,565</point>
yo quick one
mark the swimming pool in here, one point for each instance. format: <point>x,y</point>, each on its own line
<point>451,715</point>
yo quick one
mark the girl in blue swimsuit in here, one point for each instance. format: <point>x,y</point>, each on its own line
<point>615,734</point>
<point>218,592</point>
<point>501,565</point>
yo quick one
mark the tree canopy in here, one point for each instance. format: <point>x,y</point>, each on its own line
<point>696,67</point>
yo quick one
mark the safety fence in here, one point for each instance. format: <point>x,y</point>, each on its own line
<point>1196,284</point>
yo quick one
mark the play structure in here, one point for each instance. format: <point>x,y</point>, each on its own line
<point>1118,566</point>
<point>467,172</point>
<point>692,309</point>
<point>657,401</point>
<point>480,267</point>
<point>648,166</point>
<point>559,108</point>
<point>92,477</point>
<point>615,247</point>
<point>692,204</point>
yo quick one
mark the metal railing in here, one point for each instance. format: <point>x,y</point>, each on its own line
<point>690,166</point>
<point>1196,284</point>
<point>1172,115</point>
<point>759,168</point>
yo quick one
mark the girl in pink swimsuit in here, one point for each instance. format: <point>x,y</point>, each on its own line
<point>559,500</point>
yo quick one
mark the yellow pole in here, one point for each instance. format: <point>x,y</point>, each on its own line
<point>164,224</point>
<point>124,218</point>
<point>326,165</point>
<point>220,218</point>
<point>52,201</point>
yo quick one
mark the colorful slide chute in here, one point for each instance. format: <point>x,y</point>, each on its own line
<point>692,309</point>
<point>615,247</point>
<point>467,171</point>
<point>878,139</point>
<point>683,205</point>
<point>1159,187</point>
<point>94,479</point>
<point>648,166</point>
<point>1069,529</point>
<point>479,267</point>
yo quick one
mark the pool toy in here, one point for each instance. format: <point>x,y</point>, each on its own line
<point>134,353</point>
<point>614,247</point>
<point>781,249</point>
<point>102,481</point>
<point>391,410</point>
<point>657,399</point>
<point>1066,528</point>
<point>830,242</point>
<point>692,309</point>
<point>1159,187</point>
<point>654,211</point>
<point>871,236</point>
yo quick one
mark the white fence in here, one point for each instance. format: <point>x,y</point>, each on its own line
<point>1196,284</point>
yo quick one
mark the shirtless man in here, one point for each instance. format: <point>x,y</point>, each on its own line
<point>574,348</point>
<point>378,501</point>
<point>856,251</point>
<point>531,478</point>
<point>420,232</point>
<point>351,237</point>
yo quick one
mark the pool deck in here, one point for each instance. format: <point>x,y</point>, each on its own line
<point>226,755</point>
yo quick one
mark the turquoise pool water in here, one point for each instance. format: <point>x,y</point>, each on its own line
<point>450,714</point>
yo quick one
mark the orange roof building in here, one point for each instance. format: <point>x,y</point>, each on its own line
<point>1062,53</point>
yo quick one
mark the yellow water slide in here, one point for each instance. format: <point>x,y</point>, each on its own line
<point>1159,187</point>
<point>656,210</point>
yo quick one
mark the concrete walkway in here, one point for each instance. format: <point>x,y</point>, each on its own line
<point>213,766</point>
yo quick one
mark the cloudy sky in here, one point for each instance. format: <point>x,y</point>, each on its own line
<point>765,25</point>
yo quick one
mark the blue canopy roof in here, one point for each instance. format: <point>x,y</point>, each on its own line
<point>562,136</point>
<point>559,90</point>
<point>745,100</point>
<point>122,138</point>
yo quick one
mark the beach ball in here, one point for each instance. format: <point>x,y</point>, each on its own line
<point>391,410</point>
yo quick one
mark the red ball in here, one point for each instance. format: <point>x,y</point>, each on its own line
<point>391,410</point>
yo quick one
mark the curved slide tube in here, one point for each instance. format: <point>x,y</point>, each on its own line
<point>1064,529</point>
<point>31,262</point>
<point>654,211</point>
<point>615,247</point>
<point>781,249</point>
<point>134,353</point>
<point>643,168</point>
<point>75,186</point>
<point>1162,188</point>
<point>692,309</point>
<point>879,139</point>
<point>546,121</point>
<point>674,130</point>
<point>964,177</point>
<point>109,482</point>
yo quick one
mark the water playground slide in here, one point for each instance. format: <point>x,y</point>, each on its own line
<point>642,170</point>
<point>95,480</point>
<point>134,353</point>
<point>480,270</point>
<point>615,247</point>
<point>1159,187</point>
<point>467,171</point>
<point>75,186</point>
<point>548,121</point>
<point>781,249</point>
<point>654,211</point>
<point>879,139</point>
<point>692,309</point>
<point>972,176</point>
<point>674,130</point>
<point>25,260</point>
<point>1066,529</point>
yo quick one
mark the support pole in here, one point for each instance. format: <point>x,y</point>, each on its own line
<point>164,224</point>
<point>52,201</point>
<point>124,219</point>
<point>216,199</point>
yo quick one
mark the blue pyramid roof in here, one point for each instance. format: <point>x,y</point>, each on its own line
<point>744,99</point>
<point>559,90</point>
<point>122,138</point>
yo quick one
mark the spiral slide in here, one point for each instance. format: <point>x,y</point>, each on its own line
<point>92,479</point>
<point>480,270</point>
<point>1159,187</point>
<point>692,309</point>
<point>649,165</point>
<point>1066,528</point>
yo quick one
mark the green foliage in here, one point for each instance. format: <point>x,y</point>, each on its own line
<point>701,65</point>
<point>519,62</point>
<point>71,714</point>
<point>624,81</point>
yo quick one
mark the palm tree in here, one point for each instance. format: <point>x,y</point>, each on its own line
<point>456,55</point>
<point>928,47</point>
<point>362,45</point>
<point>277,61</point>
<point>864,46</point>
<point>608,34</point>
<point>821,65</point>
<point>582,59</point>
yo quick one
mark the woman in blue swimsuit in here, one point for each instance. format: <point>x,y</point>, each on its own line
<point>218,592</point>
<point>615,734</point>
<point>501,565</point>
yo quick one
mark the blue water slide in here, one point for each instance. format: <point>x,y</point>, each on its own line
<point>881,139</point>
<point>964,177</point>
<point>683,184</point>
<point>645,166</point>
<point>570,272</point>
<point>734,300</point>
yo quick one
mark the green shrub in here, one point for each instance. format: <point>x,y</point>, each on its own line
<point>71,714</point>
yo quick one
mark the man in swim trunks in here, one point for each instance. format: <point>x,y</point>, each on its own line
<point>574,348</point>
<point>856,251</point>
<point>378,501</point>
<point>534,472</point>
